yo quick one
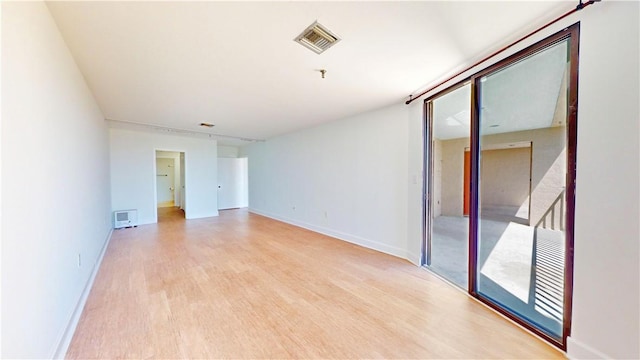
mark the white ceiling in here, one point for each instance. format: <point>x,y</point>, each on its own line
<point>235,64</point>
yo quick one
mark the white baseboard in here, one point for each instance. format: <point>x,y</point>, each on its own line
<point>578,350</point>
<point>192,216</point>
<point>65,341</point>
<point>354,239</point>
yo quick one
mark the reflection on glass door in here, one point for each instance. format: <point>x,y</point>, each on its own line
<point>448,239</point>
<point>522,172</point>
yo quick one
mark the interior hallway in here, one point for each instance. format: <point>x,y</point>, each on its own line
<point>245,286</point>
<point>170,214</point>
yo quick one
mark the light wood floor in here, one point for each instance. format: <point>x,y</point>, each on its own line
<point>244,286</point>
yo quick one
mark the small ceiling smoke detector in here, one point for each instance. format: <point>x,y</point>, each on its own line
<point>207,125</point>
<point>317,38</point>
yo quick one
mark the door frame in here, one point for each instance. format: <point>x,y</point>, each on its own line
<point>466,175</point>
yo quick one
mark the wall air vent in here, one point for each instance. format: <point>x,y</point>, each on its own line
<point>317,38</point>
<point>125,218</point>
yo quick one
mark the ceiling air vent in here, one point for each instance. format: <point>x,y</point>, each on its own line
<point>317,38</point>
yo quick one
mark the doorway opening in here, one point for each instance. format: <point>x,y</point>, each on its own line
<point>170,185</point>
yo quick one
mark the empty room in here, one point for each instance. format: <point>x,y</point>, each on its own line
<point>320,179</point>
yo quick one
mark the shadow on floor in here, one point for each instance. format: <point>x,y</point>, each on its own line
<point>520,267</point>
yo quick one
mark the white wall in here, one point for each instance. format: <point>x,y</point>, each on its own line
<point>417,184</point>
<point>606,307</point>
<point>346,178</point>
<point>133,155</point>
<point>1,231</point>
<point>225,151</point>
<point>366,173</point>
<point>55,186</point>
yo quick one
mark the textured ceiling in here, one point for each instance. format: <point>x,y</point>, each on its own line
<point>235,64</point>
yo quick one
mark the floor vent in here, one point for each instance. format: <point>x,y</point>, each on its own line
<point>317,38</point>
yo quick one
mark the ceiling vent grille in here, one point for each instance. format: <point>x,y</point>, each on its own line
<point>317,38</point>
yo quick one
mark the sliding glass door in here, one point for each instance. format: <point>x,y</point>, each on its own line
<point>449,201</point>
<point>522,182</point>
<point>501,164</point>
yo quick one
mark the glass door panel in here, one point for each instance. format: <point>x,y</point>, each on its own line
<point>521,187</point>
<point>449,163</point>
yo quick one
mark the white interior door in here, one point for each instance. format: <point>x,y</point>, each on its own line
<point>232,183</point>
<point>177,193</point>
<point>165,181</point>
<point>182,182</point>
